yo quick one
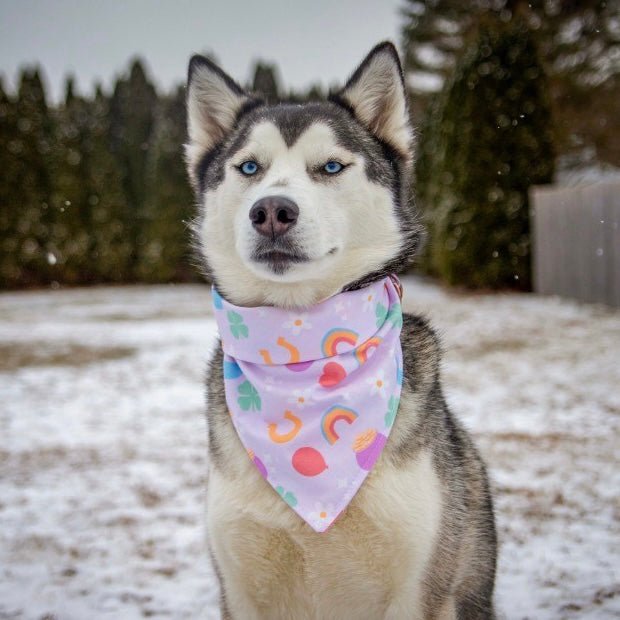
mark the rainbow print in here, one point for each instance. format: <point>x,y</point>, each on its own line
<point>334,337</point>
<point>361,353</point>
<point>333,415</point>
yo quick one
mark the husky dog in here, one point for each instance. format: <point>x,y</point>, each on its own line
<point>331,181</point>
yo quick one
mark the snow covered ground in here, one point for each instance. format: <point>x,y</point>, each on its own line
<point>103,448</point>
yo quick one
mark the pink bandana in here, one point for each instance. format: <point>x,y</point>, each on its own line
<point>313,393</point>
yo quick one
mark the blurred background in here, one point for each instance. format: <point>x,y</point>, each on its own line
<point>102,435</point>
<point>505,95</point>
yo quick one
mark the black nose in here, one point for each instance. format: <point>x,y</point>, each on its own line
<point>272,216</point>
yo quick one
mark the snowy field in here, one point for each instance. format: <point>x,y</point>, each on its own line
<point>103,448</point>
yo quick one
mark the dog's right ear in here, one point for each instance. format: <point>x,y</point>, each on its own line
<point>213,102</point>
<point>376,95</point>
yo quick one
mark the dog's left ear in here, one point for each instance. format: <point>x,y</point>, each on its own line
<point>376,95</point>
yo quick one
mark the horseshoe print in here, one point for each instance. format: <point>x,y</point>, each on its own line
<point>285,344</point>
<point>266,357</point>
<point>293,351</point>
<point>285,437</point>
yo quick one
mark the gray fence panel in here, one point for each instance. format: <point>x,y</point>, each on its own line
<point>612,229</point>
<point>576,241</point>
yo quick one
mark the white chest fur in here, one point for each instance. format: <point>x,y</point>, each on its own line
<point>369,564</point>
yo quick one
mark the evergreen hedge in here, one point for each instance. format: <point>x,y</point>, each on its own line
<point>487,140</point>
<point>94,189</point>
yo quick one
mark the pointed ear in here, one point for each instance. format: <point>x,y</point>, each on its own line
<point>213,102</point>
<point>375,94</point>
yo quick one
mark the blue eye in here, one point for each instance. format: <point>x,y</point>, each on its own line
<point>333,167</point>
<point>249,168</point>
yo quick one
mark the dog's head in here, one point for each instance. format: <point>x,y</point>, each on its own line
<point>298,202</point>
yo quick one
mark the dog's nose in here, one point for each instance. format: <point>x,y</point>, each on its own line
<point>272,216</point>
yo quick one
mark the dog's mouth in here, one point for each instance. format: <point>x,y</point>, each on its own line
<point>279,261</point>
<point>279,254</point>
<point>282,255</point>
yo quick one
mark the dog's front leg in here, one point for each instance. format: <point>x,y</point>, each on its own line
<point>405,605</point>
<point>235,602</point>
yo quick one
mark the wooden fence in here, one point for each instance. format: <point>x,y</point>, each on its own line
<point>576,241</point>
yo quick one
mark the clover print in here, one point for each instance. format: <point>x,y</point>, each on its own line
<point>287,496</point>
<point>381,313</point>
<point>395,316</point>
<point>391,412</point>
<point>248,397</point>
<point>237,327</point>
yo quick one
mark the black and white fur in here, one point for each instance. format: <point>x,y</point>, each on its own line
<point>418,540</point>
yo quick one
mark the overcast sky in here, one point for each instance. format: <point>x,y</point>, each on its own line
<point>317,41</point>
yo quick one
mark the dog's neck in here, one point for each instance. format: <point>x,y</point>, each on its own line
<point>366,280</point>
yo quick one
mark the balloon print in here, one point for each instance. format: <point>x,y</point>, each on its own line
<point>309,462</point>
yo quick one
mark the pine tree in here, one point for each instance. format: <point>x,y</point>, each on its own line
<point>72,245</point>
<point>113,249</point>
<point>166,252</point>
<point>314,93</point>
<point>265,82</point>
<point>579,43</point>
<point>29,155</point>
<point>579,40</point>
<point>10,145</point>
<point>132,119</point>
<point>490,140</point>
